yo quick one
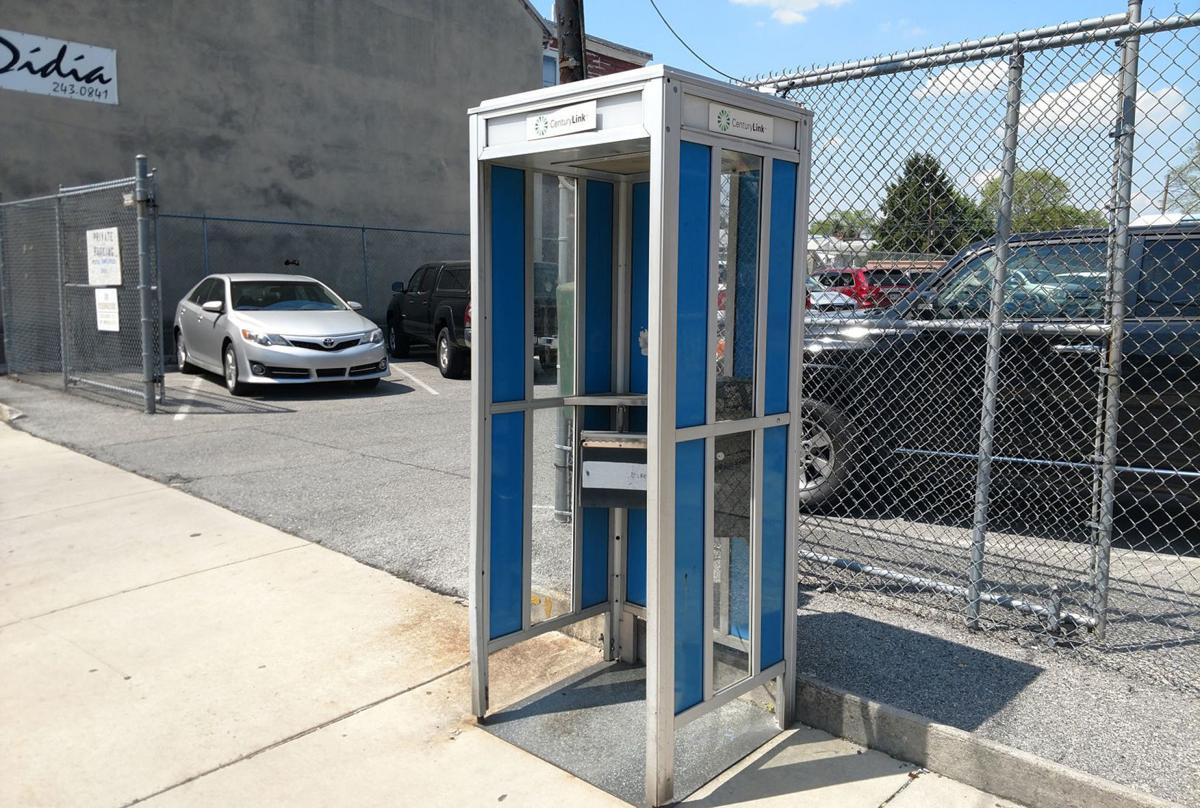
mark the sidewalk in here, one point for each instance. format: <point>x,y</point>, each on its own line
<point>161,650</point>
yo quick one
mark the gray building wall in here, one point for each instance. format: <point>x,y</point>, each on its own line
<point>348,111</point>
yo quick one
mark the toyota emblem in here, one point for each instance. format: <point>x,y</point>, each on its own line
<point>327,342</point>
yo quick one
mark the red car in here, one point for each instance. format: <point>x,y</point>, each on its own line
<point>872,288</point>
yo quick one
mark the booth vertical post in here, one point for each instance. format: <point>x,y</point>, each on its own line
<point>480,434</point>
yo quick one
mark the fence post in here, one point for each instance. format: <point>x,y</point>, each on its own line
<point>141,192</point>
<point>5,300</point>
<point>64,352</point>
<point>161,376</point>
<point>995,336</point>
<point>1123,136</point>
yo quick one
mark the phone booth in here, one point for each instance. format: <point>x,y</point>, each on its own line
<point>637,249</point>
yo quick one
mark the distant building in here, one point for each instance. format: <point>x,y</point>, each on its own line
<point>602,56</point>
<point>289,109</point>
<point>299,110</point>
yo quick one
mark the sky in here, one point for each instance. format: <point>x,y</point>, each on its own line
<point>864,131</point>
<point>743,37</point>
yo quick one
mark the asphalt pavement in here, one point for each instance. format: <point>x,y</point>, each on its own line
<point>383,476</point>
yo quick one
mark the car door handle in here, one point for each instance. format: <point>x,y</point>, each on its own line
<point>1077,347</point>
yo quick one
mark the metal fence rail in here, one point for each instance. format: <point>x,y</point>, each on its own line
<point>1008,432</point>
<point>357,261</point>
<point>79,283</point>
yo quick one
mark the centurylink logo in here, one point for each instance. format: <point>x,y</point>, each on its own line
<point>541,125</point>
<point>723,120</point>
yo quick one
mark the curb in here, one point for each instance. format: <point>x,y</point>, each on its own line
<point>960,755</point>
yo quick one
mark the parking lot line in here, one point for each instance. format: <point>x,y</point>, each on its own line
<point>187,405</point>
<point>414,380</point>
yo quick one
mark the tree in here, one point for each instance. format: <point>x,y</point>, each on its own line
<point>1183,184</point>
<point>924,213</point>
<point>844,224</point>
<point>1039,203</point>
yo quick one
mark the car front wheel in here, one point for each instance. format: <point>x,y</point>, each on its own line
<point>181,354</point>
<point>397,341</point>
<point>451,359</point>
<point>233,384</point>
<point>825,453</point>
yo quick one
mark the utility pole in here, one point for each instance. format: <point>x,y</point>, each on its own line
<point>568,19</point>
<point>572,66</point>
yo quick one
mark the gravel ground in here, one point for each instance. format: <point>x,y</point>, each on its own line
<point>383,476</point>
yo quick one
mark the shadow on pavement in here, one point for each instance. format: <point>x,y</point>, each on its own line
<point>943,681</point>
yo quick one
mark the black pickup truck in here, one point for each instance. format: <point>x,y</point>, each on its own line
<point>434,308</point>
<point>905,383</point>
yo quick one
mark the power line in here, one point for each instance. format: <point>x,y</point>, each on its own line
<point>689,47</point>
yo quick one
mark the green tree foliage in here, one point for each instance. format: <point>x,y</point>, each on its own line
<point>924,213</point>
<point>1183,183</point>
<point>1039,203</point>
<point>844,224</point>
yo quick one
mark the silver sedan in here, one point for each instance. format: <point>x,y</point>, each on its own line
<point>276,329</point>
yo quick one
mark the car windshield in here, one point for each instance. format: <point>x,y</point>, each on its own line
<point>888,277</point>
<point>1043,281</point>
<point>282,296</point>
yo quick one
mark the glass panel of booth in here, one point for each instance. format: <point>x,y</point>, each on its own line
<point>551,305</point>
<point>733,488</point>
<point>737,284</point>
<point>553,285</point>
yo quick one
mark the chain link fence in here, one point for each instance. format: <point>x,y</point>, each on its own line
<point>79,288</point>
<point>1006,431</point>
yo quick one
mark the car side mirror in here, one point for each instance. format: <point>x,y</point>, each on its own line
<point>213,306</point>
<point>397,286</point>
<point>354,304</point>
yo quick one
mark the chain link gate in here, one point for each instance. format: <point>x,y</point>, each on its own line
<point>81,294</point>
<point>1007,428</point>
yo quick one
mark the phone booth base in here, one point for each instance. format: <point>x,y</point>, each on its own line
<point>637,250</point>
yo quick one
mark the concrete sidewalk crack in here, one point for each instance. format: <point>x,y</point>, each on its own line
<point>112,498</point>
<point>912,778</point>
<point>155,583</point>
<point>297,736</point>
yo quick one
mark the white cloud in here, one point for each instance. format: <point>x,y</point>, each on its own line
<point>902,27</point>
<point>984,177</point>
<point>984,77</point>
<point>790,12</point>
<point>1093,103</point>
<point>835,141</point>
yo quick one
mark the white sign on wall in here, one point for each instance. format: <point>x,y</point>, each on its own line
<point>562,121</point>
<point>38,64</point>
<point>108,317</point>
<point>740,122</point>
<point>104,257</point>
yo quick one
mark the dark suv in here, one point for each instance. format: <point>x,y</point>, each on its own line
<point>434,308</point>
<point>904,384</point>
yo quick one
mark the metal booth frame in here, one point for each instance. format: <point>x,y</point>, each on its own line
<point>653,110</point>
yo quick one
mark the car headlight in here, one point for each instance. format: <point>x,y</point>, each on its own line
<point>261,339</point>
<point>374,337</point>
